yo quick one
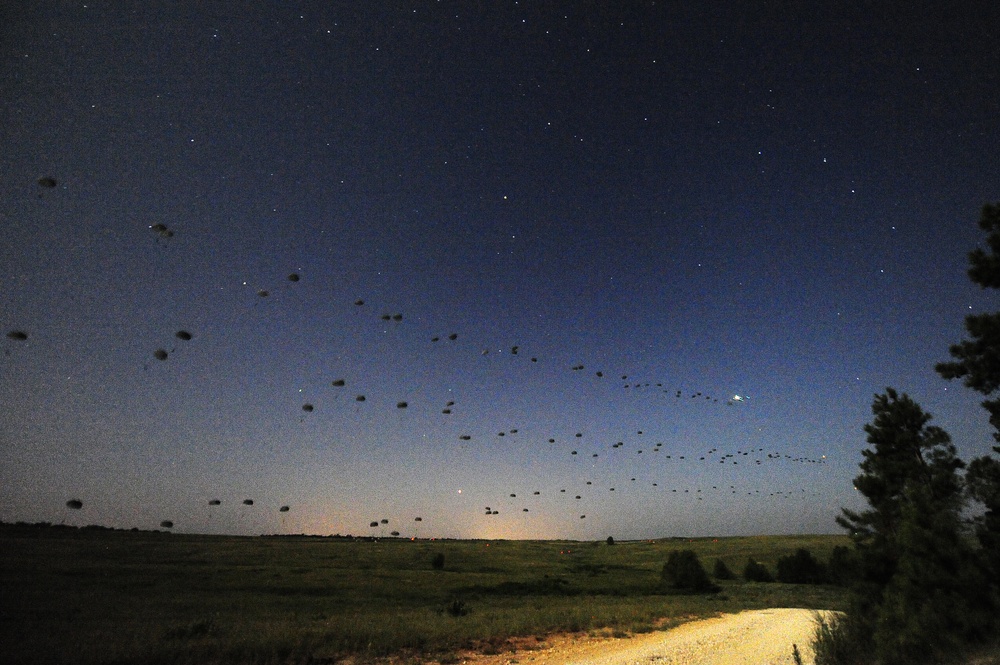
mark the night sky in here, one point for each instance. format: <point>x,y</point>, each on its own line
<point>680,245</point>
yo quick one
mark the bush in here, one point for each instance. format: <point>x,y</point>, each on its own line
<point>756,572</point>
<point>800,568</point>
<point>840,568</point>
<point>437,563</point>
<point>611,540</point>
<point>722,572</point>
<point>839,641</point>
<point>457,608</point>
<point>683,572</point>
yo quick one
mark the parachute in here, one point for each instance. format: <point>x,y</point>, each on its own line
<point>75,504</point>
<point>162,230</point>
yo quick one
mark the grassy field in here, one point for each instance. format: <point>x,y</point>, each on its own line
<point>88,596</point>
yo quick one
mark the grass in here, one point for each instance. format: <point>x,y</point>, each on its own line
<point>85,596</point>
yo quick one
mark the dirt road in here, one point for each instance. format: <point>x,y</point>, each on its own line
<point>755,637</point>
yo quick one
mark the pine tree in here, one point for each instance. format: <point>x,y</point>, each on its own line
<point>978,360</point>
<point>906,451</point>
<point>937,600</point>
<point>977,363</point>
<point>916,591</point>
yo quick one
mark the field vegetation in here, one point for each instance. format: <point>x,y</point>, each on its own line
<point>96,595</point>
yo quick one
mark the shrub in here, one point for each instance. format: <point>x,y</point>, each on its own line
<point>841,641</point>
<point>756,572</point>
<point>800,568</point>
<point>611,540</point>
<point>457,608</point>
<point>437,563</point>
<point>683,572</point>
<point>840,568</point>
<point>722,572</point>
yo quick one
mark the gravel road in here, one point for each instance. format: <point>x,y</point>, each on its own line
<point>754,637</point>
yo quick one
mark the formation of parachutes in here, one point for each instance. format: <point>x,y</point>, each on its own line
<point>608,453</point>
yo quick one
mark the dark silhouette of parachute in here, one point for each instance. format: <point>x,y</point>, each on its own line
<point>283,509</point>
<point>339,383</point>
<point>167,524</point>
<point>75,504</point>
<point>183,335</point>
<point>308,408</point>
<point>17,335</point>
<point>293,277</point>
<point>47,182</point>
<point>160,354</point>
<point>162,230</point>
<point>247,502</point>
<point>215,502</point>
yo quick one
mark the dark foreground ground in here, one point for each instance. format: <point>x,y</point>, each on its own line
<point>99,596</point>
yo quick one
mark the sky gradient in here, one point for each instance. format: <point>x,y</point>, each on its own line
<point>628,213</point>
